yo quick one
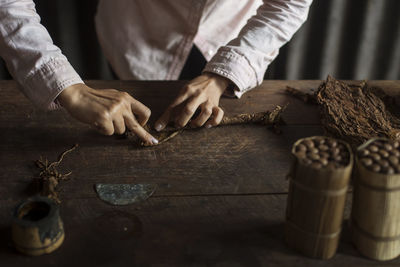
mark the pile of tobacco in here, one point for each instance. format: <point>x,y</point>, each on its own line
<point>354,113</point>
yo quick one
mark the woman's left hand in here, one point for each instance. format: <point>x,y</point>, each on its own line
<point>202,92</point>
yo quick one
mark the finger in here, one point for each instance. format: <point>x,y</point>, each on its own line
<point>105,127</point>
<point>163,120</point>
<point>166,116</point>
<point>135,127</point>
<point>185,93</point>
<point>188,110</point>
<point>206,112</point>
<point>119,125</point>
<point>141,112</point>
<point>216,118</point>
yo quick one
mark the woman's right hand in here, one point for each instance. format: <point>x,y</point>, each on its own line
<point>109,111</point>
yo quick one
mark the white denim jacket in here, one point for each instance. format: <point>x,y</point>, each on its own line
<point>151,39</point>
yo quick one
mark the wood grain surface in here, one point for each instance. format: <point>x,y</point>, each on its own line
<point>221,193</point>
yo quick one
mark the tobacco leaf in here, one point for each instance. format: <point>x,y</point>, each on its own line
<point>354,112</point>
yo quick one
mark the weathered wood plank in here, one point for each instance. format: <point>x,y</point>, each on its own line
<point>226,160</point>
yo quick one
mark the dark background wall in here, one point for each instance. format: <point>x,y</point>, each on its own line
<point>350,39</point>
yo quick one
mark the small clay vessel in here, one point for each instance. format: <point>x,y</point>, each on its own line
<point>37,227</point>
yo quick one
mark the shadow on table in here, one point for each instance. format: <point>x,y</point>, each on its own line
<point>262,243</point>
<point>240,247</point>
<point>6,245</point>
<point>346,246</point>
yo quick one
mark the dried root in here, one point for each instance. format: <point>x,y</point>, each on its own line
<point>49,177</point>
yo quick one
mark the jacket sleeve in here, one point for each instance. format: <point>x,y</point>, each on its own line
<point>38,66</point>
<point>245,59</point>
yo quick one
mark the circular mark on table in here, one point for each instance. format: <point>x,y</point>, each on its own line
<point>118,225</point>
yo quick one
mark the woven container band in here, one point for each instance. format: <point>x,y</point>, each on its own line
<point>331,193</point>
<point>371,236</point>
<point>323,236</point>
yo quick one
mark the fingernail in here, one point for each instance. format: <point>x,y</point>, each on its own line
<point>154,141</point>
<point>158,127</point>
<point>208,126</point>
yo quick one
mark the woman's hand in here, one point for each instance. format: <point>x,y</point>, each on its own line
<point>203,92</point>
<point>109,111</point>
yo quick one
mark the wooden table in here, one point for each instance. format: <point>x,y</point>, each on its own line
<point>221,194</point>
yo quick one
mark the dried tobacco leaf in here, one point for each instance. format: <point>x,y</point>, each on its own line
<point>355,113</point>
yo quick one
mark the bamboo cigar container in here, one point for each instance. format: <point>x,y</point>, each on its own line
<point>375,218</point>
<point>316,199</point>
<point>37,227</point>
